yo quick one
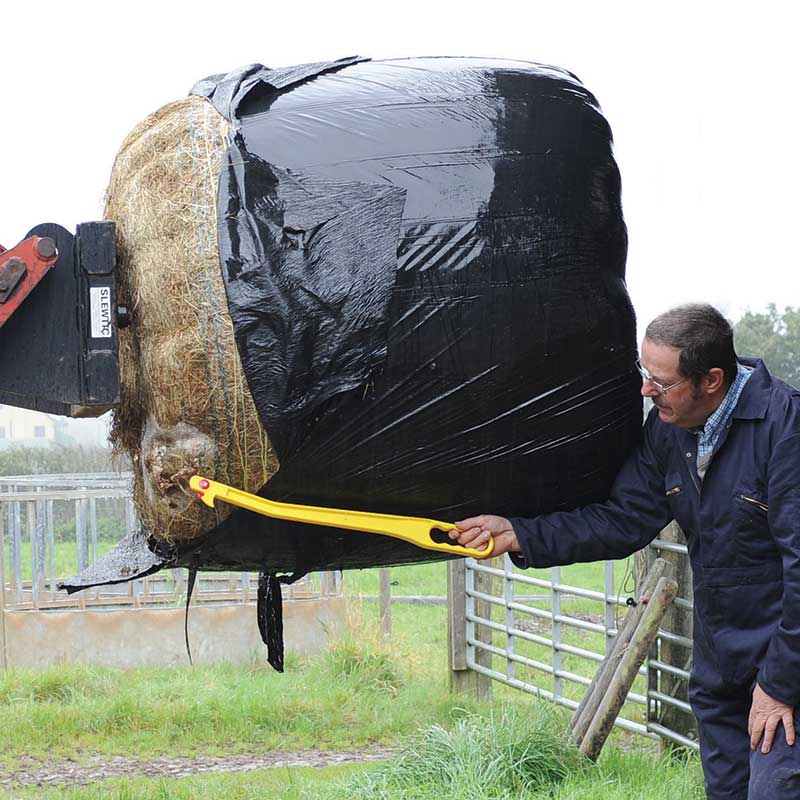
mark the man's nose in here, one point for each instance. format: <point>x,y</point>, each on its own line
<point>648,390</point>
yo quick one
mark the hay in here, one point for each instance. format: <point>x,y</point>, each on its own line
<point>185,405</point>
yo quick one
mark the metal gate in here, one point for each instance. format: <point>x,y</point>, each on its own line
<point>54,526</point>
<point>537,632</point>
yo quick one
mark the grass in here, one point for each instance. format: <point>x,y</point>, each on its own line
<point>511,754</point>
<point>363,692</point>
<point>129,711</point>
<point>520,755</point>
<point>359,693</point>
<point>289,783</point>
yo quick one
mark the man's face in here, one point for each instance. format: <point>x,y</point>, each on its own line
<point>681,405</point>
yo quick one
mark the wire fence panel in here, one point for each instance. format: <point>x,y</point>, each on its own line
<point>546,632</point>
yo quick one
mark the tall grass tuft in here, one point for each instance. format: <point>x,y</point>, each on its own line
<point>364,664</point>
<point>64,684</point>
<point>499,756</point>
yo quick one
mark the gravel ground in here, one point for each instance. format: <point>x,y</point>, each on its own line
<point>29,772</point>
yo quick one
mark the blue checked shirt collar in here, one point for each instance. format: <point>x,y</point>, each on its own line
<point>708,435</point>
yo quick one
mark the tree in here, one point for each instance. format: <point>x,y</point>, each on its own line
<point>773,336</point>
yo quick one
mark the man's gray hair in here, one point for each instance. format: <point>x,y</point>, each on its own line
<point>703,335</point>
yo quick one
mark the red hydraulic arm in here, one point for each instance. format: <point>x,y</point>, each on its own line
<point>21,268</point>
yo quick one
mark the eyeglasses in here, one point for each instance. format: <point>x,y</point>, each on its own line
<point>646,376</point>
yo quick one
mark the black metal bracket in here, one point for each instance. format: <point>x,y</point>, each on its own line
<point>58,353</point>
<point>11,273</point>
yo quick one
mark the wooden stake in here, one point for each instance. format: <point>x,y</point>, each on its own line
<point>632,658</point>
<point>585,712</point>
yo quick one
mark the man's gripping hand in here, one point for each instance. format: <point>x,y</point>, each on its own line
<point>475,531</point>
<point>766,713</point>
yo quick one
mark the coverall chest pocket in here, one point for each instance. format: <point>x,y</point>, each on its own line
<point>675,490</point>
<point>751,526</point>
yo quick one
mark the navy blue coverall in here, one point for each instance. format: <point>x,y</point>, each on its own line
<point>742,525</point>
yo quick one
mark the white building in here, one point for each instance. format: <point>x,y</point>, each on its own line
<point>22,427</point>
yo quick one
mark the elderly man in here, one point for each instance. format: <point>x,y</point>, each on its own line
<point>720,453</point>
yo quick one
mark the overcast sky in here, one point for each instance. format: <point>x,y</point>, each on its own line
<point>701,98</point>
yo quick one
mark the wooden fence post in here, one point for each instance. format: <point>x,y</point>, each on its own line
<point>462,679</point>
<point>677,620</point>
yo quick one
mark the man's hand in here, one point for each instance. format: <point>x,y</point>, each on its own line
<point>475,531</point>
<point>766,714</point>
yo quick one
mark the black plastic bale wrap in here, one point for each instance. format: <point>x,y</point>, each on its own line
<point>424,261</point>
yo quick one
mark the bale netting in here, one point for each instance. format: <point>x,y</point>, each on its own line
<point>185,405</point>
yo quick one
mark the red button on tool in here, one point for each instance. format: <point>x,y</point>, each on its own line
<point>204,484</point>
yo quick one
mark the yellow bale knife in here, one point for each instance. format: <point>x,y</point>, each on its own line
<point>415,530</point>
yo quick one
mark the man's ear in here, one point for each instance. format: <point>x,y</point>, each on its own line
<point>715,379</point>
